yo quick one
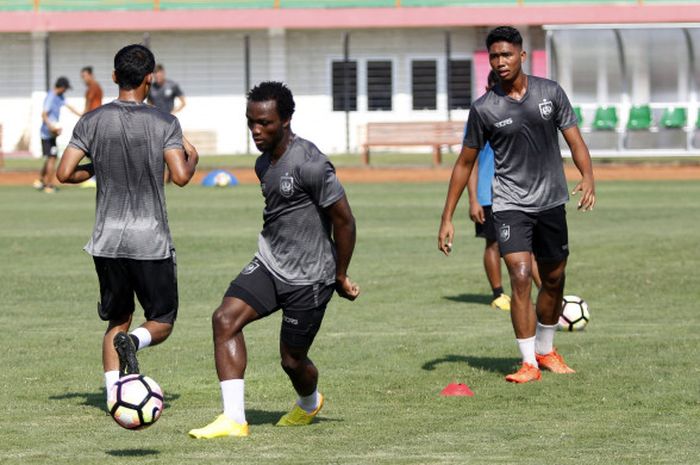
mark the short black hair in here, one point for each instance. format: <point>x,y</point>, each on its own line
<point>132,64</point>
<point>277,91</point>
<point>504,34</point>
<point>159,67</point>
<point>86,69</point>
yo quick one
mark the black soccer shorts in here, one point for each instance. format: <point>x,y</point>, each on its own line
<point>544,233</point>
<point>153,281</point>
<point>487,230</point>
<point>49,148</point>
<point>303,307</point>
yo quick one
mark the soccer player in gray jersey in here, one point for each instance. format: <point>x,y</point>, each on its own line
<point>304,250</point>
<point>520,118</point>
<point>129,144</point>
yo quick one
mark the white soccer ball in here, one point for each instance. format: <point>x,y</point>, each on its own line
<point>222,179</point>
<point>135,401</point>
<point>574,314</point>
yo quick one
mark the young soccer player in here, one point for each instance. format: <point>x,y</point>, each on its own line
<point>129,144</point>
<point>480,212</point>
<point>519,118</point>
<point>304,250</point>
<point>50,130</point>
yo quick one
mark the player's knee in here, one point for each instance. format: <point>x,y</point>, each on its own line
<point>223,319</point>
<point>292,362</point>
<point>290,365</point>
<point>553,281</point>
<point>520,275</point>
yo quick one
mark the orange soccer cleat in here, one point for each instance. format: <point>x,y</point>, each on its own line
<point>554,363</point>
<point>525,374</point>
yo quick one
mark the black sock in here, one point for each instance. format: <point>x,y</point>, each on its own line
<point>497,291</point>
<point>135,340</point>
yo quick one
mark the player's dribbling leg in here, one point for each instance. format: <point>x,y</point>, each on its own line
<point>549,301</point>
<point>522,316</point>
<point>231,359</point>
<point>304,377</point>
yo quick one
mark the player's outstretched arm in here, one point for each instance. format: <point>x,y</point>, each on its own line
<point>344,233</point>
<point>582,160</point>
<point>69,172</point>
<point>458,181</point>
<point>74,110</point>
<point>182,163</point>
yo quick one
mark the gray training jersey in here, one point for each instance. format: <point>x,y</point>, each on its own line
<point>295,243</point>
<point>529,174</point>
<point>126,141</point>
<point>163,97</point>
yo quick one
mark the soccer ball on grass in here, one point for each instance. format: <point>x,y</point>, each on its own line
<point>135,401</point>
<point>574,314</point>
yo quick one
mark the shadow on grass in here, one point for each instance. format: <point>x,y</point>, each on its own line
<point>497,365</point>
<point>99,399</point>
<point>470,298</point>
<point>263,417</point>
<point>132,452</point>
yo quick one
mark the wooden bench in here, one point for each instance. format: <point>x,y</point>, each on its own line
<point>204,141</point>
<point>430,133</point>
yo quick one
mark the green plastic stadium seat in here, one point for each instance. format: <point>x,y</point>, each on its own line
<point>605,119</point>
<point>674,118</point>
<point>640,117</point>
<point>579,115</point>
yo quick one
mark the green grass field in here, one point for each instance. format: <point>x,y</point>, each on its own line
<point>422,321</point>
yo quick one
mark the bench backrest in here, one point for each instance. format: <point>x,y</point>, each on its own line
<point>415,133</point>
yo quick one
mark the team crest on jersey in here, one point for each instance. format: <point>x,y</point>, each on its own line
<point>250,267</point>
<point>546,109</point>
<point>504,232</point>
<point>286,185</point>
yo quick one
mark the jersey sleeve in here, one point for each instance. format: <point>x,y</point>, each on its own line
<point>177,92</point>
<point>474,131</point>
<point>566,117</point>
<point>320,182</point>
<point>48,102</point>
<point>173,136</point>
<point>80,138</point>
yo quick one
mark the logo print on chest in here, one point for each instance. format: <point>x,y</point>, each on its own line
<point>286,185</point>
<point>546,109</point>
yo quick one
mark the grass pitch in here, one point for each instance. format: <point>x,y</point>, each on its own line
<point>421,322</point>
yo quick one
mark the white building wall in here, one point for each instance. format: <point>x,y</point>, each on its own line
<point>16,81</point>
<point>209,66</point>
<point>309,77</point>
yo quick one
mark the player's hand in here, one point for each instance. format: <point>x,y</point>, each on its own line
<point>190,151</point>
<point>476,212</point>
<point>587,189</point>
<point>445,236</point>
<point>346,288</point>
<point>56,130</point>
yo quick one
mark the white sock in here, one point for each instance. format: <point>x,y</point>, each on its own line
<point>232,394</point>
<point>527,349</point>
<point>111,377</point>
<point>544,338</point>
<point>143,336</point>
<point>309,403</point>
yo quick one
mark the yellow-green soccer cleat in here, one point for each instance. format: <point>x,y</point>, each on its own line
<point>501,302</point>
<point>220,428</point>
<point>299,417</point>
